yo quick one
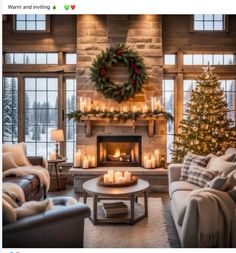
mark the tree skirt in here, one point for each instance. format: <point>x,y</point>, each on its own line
<point>150,232</point>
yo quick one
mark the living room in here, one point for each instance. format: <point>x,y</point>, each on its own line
<point>117,128</point>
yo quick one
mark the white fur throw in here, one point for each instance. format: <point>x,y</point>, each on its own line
<point>38,171</point>
<point>33,207</point>
<point>14,191</point>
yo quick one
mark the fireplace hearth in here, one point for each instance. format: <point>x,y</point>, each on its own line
<point>119,151</point>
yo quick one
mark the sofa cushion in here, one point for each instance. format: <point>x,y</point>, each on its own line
<point>219,183</point>
<point>18,153</point>
<point>223,167</point>
<point>227,157</point>
<point>181,186</point>
<point>230,151</point>
<point>8,161</point>
<point>191,159</point>
<point>200,176</point>
<point>8,213</point>
<point>179,200</point>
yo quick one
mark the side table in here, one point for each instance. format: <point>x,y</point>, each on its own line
<point>56,165</point>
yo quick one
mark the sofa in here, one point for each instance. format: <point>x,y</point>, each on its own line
<point>179,192</point>
<point>30,183</point>
<point>61,227</point>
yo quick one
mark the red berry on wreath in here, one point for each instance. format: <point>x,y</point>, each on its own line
<point>118,92</point>
<point>102,72</point>
<point>119,52</point>
<point>137,71</point>
<point>133,83</point>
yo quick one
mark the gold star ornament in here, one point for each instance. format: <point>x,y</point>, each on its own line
<point>208,69</point>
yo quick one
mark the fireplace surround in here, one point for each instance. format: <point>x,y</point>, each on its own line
<point>119,151</point>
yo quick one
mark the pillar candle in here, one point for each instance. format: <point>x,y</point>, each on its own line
<point>158,105</point>
<point>112,109</point>
<point>127,176</point>
<point>111,175</point>
<point>117,175</point>
<point>148,164</point>
<point>85,163</point>
<point>135,108</point>
<point>106,178</point>
<point>92,161</point>
<point>153,161</point>
<point>77,158</point>
<point>120,180</point>
<point>53,155</point>
<point>144,160</point>
<point>145,109</point>
<point>157,157</point>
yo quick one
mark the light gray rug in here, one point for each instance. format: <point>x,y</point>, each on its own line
<point>151,232</point>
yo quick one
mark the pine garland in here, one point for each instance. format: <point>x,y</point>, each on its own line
<point>113,55</point>
<point>117,115</point>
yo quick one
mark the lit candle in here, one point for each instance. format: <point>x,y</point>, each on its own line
<point>53,155</point>
<point>85,163</point>
<point>103,108</point>
<point>145,109</point>
<point>158,105</point>
<point>144,160</point>
<point>92,161</point>
<point>77,158</point>
<point>135,108</point>
<point>148,164</point>
<point>117,175</point>
<point>97,108</point>
<point>121,180</point>
<point>106,178</point>
<point>127,176</point>
<point>125,109</point>
<point>111,175</point>
<point>157,157</point>
<point>153,162</point>
<point>111,110</point>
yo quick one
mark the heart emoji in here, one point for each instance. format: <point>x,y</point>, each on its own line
<point>72,7</point>
<point>66,7</point>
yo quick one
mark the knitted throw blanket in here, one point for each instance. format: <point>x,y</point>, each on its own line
<point>38,171</point>
<point>216,218</point>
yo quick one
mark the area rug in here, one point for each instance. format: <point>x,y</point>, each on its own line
<point>150,232</point>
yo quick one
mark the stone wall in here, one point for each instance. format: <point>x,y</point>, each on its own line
<point>144,34</point>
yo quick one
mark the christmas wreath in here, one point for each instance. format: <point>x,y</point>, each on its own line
<point>113,55</point>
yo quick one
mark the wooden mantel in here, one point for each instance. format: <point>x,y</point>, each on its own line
<point>149,122</point>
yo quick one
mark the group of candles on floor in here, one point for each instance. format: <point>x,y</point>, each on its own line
<point>117,177</point>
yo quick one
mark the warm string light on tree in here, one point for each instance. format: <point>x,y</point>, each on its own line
<point>207,128</point>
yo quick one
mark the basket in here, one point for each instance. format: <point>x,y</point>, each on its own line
<point>62,178</point>
<point>133,181</point>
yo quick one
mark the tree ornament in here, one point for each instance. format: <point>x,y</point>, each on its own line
<point>104,62</point>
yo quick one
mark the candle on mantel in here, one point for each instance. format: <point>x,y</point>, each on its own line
<point>135,108</point>
<point>112,109</point>
<point>103,108</point>
<point>158,105</point>
<point>153,162</point>
<point>106,178</point>
<point>145,109</point>
<point>111,175</point>
<point>125,109</point>
<point>92,161</point>
<point>53,155</point>
<point>157,156</point>
<point>148,164</point>
<point>127,176</point>
<point>77,158</point>
<point>144,160</point>
<point>85,163</point>
<point>117,175</point>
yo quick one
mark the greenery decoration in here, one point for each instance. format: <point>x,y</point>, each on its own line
<point>207,128</point>
<point>117,115</point>
<point>113,55</point>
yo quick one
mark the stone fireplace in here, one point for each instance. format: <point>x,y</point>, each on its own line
<point>143,33</point>
<point>119,151</point>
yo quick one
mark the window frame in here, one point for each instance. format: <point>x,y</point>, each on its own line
<point>225,30</point>
<point>47,30</point>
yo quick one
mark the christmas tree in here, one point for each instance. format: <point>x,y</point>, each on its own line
<point>207,129</point>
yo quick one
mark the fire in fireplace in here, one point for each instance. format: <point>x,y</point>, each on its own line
<point>119,150</point>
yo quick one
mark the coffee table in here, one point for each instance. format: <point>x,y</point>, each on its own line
<point>137,211</point>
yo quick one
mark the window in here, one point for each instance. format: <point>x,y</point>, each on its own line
<point>212,59</point>
<point>228,87</point>
<point>71,58</point>
<point>41,110</point>
<point>209,22</point>
<point>30,22</point>
<point>10,110</point>
<point>70,125</point>
<point>31,58</point>
<point>169,59</point>
<point>168,101</point>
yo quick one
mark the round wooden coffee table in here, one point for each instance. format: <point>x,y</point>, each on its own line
<point>136,211</point>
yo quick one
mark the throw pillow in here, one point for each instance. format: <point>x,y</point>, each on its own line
<point>219,183</point>
<point>227,157</point>
<point>200,176</point>
<point>8,213</point>
<point>8,161</point>
<point>191,159</point>
<point>223,167</point>
<point>232,180</point>
<point>18,153</point>
<point>33,207</point>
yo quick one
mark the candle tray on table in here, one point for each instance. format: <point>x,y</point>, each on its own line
<point>132,181</point>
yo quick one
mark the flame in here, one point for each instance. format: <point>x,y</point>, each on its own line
<point>117,153</point>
